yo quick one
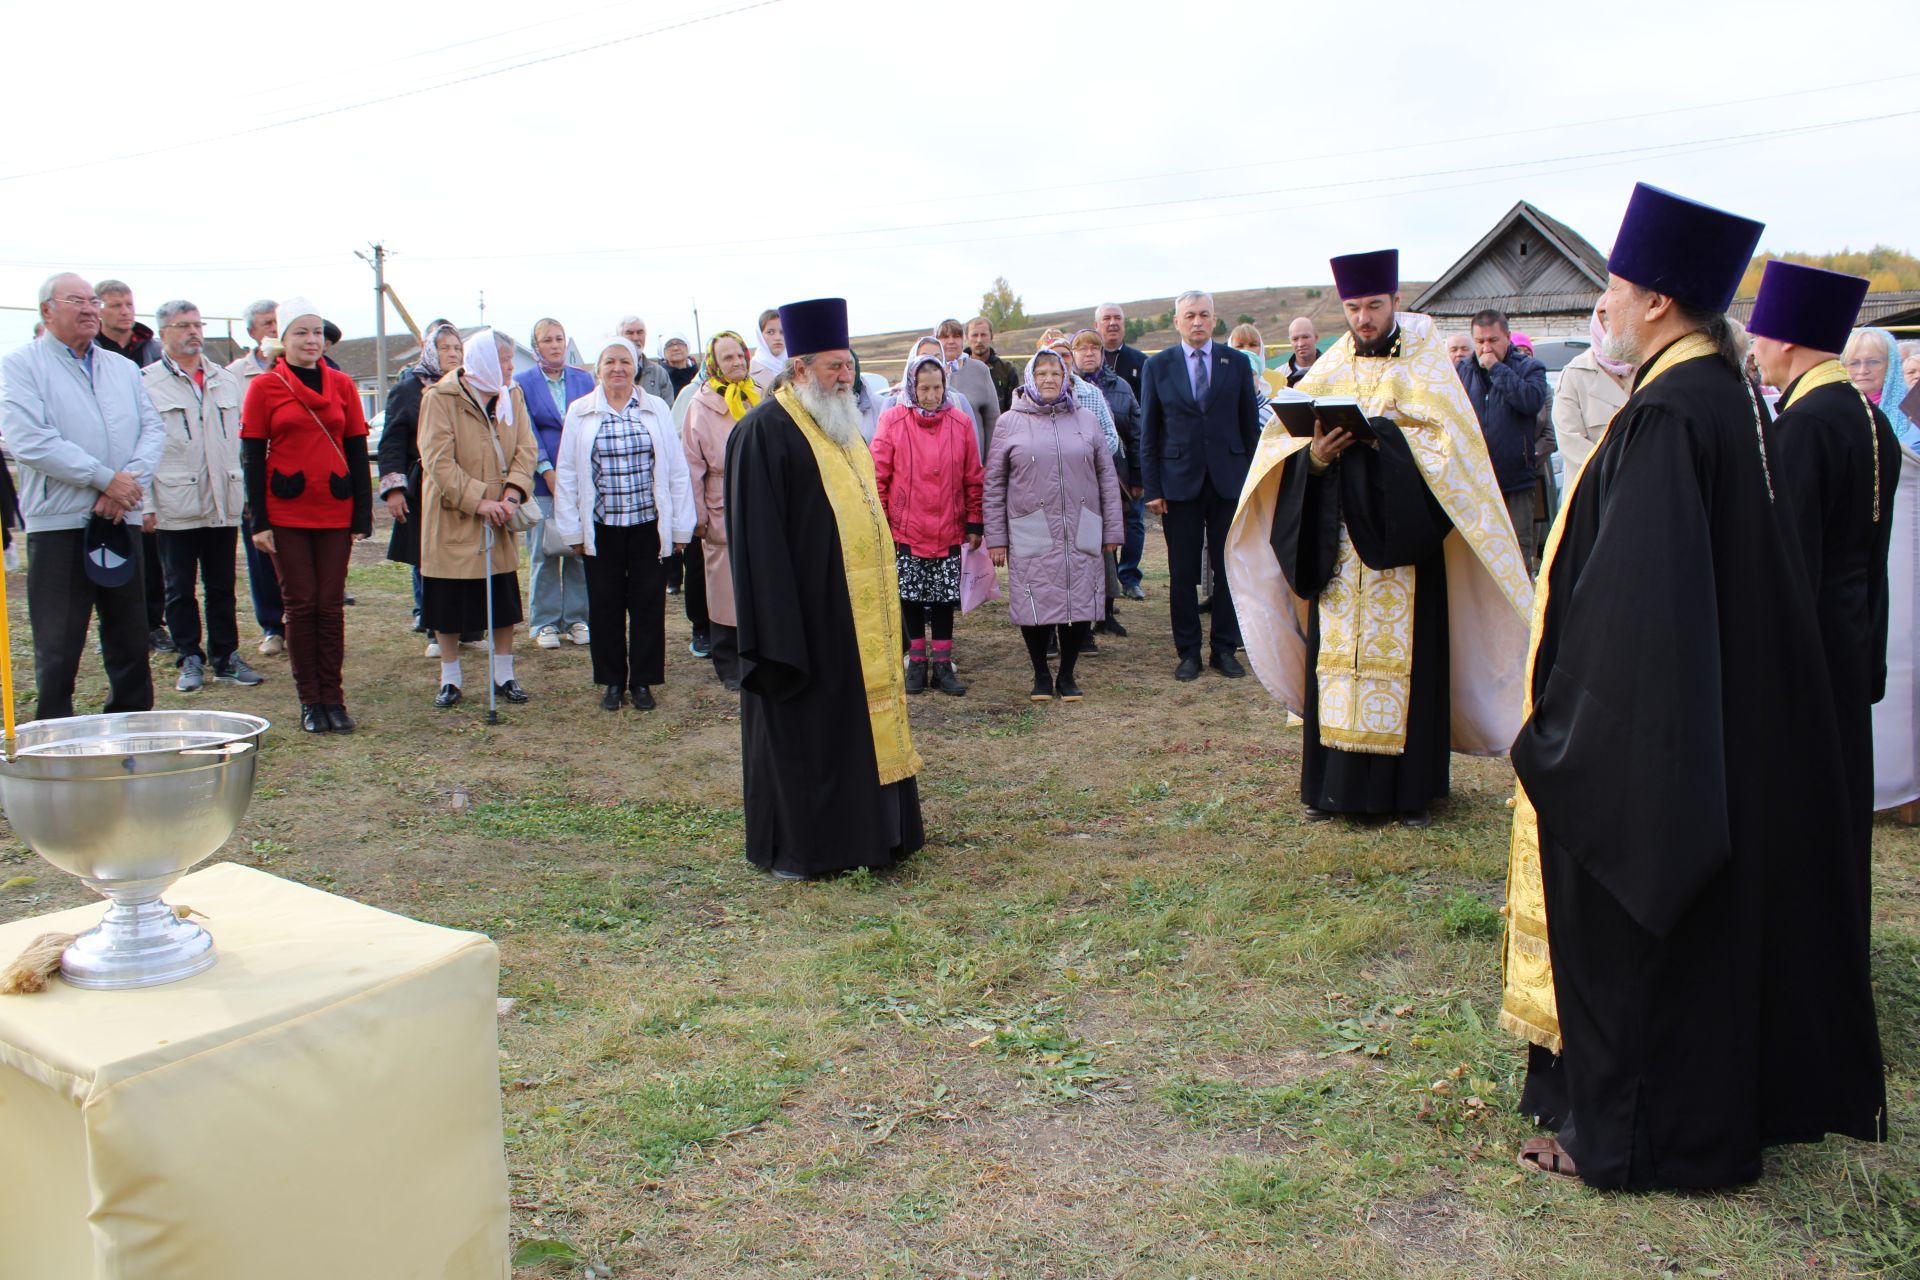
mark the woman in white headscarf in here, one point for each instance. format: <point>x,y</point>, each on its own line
<point>477,455</point>
<point>622,498</point>
<point>769,351</point>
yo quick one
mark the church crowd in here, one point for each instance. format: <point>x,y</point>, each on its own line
<point>1672,589</point>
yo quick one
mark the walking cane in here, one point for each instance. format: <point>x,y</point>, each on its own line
<point>493,693</point>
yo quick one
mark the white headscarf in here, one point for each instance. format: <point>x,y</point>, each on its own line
<point>482,365</point>
<point>600,401</point>
<point>764,353</point>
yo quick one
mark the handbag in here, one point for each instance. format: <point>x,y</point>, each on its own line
<point>552,542</point>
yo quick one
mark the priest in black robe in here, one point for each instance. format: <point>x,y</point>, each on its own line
<point>1839,466</point>
<point>827,759</point>
<point>1682,949</point>
<point>1390,584</point>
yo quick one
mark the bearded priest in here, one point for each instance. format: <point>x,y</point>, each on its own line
<point>1386,598</point>
<point>1686,943</point>
<point>827,758</point>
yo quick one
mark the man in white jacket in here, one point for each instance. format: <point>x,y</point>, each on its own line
<point>80,423</point>
<point>198,496</point>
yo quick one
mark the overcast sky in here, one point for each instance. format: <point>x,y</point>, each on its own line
<point>900,154</point>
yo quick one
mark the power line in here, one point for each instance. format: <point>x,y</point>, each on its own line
<point>1501,135</point>
<point>398,96</point>
<point>1615,155</point>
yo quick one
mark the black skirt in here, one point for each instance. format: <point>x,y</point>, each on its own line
<point>460,604</point>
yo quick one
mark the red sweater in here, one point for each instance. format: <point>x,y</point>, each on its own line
<point>299,456</point>
<point>929,478</point>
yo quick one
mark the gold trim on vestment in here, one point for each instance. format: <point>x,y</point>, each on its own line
<point>866,550</point>
<point>1826,374</point>
<point>1528,1007</point>
<point>1365,666</point>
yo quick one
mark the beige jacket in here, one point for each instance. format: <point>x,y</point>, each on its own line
<point>704,437</point>
<point>198,483</point>
<point>460,470</point>
<point>1583,405</point>
<point>247,367</point>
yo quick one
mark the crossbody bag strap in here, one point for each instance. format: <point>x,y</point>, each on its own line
<point>337,452</point>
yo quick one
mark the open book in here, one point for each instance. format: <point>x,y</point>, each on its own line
<point>1298,410</point>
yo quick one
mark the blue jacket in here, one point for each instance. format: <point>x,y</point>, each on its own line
<point>547,421</point>
<point>1185,446</point>
<point>1508,399</point>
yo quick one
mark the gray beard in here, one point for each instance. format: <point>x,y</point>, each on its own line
<point>1621,345</point>
<point>833,411</point>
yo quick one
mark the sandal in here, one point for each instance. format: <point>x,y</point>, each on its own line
<point>1546,1155</point>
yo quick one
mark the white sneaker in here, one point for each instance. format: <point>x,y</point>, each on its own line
<point>547,637</point>
<point>579,634</point>
<point>273,644</point>
<point>433,648</point>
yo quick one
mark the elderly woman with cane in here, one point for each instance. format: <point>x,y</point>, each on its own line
<point>621,497</point>
<point>476,458</point>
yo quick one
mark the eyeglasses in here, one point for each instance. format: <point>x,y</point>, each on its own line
<point>198,326</point>
<point>75,300</point>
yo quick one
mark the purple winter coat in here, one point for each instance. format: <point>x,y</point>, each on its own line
<point>1053,501</point>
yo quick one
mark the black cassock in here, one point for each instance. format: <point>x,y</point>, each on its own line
<point>1393,520</point>
<point>1683,756</point>
<point>1826,446</point>
<point>814,802</point>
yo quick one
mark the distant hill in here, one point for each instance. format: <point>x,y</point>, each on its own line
<point>1272,308</point>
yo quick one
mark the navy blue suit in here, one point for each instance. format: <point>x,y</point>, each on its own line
<point>1195,456</point>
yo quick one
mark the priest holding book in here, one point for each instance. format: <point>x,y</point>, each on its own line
<point>1385,598</point>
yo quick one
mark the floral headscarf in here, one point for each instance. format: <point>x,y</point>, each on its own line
<point>429,370</point>
<point>910,382</point>
<point>1030,392</point>
<point>740,396</point>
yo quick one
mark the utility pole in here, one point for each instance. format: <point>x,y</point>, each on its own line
<point>699,343</point>
<point>378,259</point>
<point>483,308</point>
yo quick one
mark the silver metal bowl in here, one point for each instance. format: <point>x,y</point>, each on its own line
<point>130,802</point>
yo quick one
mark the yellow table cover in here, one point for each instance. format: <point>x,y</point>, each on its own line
<point>324,1102</point>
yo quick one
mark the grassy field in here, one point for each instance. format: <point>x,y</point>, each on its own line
<point>1125,1016</point>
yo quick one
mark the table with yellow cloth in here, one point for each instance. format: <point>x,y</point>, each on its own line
<point>323,1102</point>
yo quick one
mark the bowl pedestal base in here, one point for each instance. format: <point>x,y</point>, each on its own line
<point>140,943</point>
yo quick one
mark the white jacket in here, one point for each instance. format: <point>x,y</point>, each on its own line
<point>198,483</point>
<point>71,431</point>
<point>573,492</point>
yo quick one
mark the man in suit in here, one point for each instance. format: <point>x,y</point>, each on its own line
<point>1110,322</point>
<point>1199,427</point>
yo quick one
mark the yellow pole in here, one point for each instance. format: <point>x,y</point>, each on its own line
<point>6,664</point>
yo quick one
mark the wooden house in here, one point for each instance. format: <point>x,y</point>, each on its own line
<point>1540,272</point>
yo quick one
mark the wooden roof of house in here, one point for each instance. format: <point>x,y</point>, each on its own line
<point>1530,263</point>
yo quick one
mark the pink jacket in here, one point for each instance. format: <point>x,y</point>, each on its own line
<point>929,479</point>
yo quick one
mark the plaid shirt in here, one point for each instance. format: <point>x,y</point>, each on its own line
<point>623,469</point>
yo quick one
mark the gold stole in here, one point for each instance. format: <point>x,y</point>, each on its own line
<point>1825,374</point>
<point>1527,1006</point>
<point>866,548</point>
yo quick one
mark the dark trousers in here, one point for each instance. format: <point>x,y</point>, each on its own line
<point>263,585</point>
<point>61,600</point>
<point>723,646</point>
<point>1133,540</point>
<point>627,606</point>
<point>208,555</point>
<point>312,569</point>
<point>1189,526</point>
<point>696,588</point>
<point>153,576</point>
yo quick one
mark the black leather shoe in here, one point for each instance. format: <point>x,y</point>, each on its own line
<point>1189,669</point>
<point>449,696</point>
<point>1227,665</point>
<point>338,719</point>
<point>510,691</point>
<point>1415,818</point>
<point>643,699</point>
<point>313,718</point>
<point>1314,814</point>
<point>613,699</point>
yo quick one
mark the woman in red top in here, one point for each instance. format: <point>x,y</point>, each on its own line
<point>926,464</point>
<point>304,448</point>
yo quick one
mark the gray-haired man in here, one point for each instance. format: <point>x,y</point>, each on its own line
<point>263,584</point>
